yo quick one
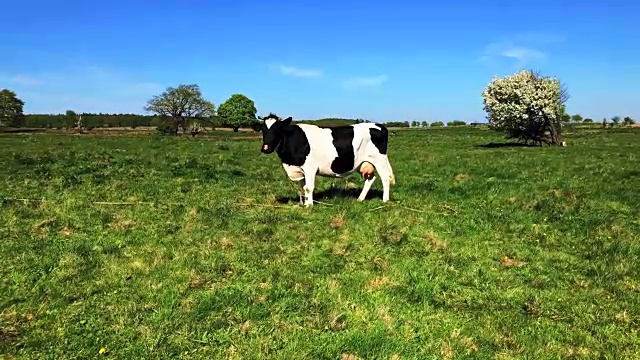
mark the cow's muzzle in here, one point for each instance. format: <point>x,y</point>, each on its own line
<point>265,148</point>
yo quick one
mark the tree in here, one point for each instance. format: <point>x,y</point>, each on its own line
<point>628,121</point>
<point>615,120</point>
<point>437,124</point>
<point>11,109</point>
<point>587,121</point>
<point>70,118</point>
<point>415,123</point>
<point>238,111</point>
<point>456,123</point>
<point>604,122</point>
<point>576,118</point>
<point>181,105</point>
<point>527,107</point>
<point>425,124</point>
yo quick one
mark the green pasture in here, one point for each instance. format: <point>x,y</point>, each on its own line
<point>150,247</point>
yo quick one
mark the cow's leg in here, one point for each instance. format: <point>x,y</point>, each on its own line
<point>309,184</point>
<point>366,187</point>
<point>367,171</point>
<point>301,191</point>
<point>309,172</point>
<point>381,163</point>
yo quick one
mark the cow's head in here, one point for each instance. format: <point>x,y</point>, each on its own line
<point>272,131</point>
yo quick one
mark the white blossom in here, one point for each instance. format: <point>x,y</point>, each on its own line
<point>524,104</point>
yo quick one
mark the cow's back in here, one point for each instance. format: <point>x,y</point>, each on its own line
<point>338,151</point>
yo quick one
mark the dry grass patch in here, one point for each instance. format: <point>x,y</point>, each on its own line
<point>433,240</point>
<point>511,262</point>
<point>380,282</point>
<point>338,222</point>
<point>346,356</point>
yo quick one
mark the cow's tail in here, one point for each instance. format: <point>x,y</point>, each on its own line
<point>392,177</point>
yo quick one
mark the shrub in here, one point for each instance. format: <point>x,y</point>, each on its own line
<point>437,124</point>
<point>527,107</point>
<point>456,123</point>
<point>166,129</point>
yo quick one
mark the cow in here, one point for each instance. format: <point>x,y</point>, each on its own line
<point>307,150</point>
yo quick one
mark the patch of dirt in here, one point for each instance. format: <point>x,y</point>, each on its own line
<point>337,222</point>
<point>379,282</point>
<point>346,356</point>
<point>337,321</point>
<point>434,240</point>
<point>380,264</point>
<point>197,282</point>
<point>509,262</point>
<point>446,351</point>
<point>245,327</point>
<point>9,332</point>
<point>246,137</point>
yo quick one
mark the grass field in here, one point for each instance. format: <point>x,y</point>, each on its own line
<point>135,247</point>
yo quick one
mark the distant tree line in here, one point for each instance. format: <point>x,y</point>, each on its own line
<point>89,120</point>
<point>183,108</point>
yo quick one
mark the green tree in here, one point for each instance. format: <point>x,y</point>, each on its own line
<point>415,124</point>
<point>576,118</point>
<point>604,122</point>
<point>437,124</point>
<point>628,121</point>
<point>70,118</point>
<point>456,123</point>
<point>181,105</point>
<point>587,121</point>
<point>527,107</point>
<point>425,124</point>
<point>238,111</point>
<point>11,109</point>
<point>615,121</point>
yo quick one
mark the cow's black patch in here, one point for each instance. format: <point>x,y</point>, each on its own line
<point>380,138</point>
<point>343,142</point>
<point>294,147</point>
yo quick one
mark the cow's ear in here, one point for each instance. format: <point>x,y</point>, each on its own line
<point>288,120</point>
<point>256,126</point>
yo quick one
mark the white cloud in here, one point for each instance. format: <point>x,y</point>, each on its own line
<point>525,48</point>
<point>522,53</point>
<point>20,80</point>
<point>298,72</point>
<point>364,81</point>
<point>82,89</point>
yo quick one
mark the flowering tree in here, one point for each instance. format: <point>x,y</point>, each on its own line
<point>527,107</point>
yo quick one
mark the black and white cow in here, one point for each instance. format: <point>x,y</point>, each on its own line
<point>308,150</point>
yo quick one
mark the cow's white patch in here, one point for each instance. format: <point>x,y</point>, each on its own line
<point>295,173</point>
<point>269,123</point>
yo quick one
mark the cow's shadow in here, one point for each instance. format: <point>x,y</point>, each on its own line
<point>494,145</point>
<point>333,193</point>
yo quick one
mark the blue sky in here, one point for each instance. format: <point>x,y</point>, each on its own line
<point>386,61</point>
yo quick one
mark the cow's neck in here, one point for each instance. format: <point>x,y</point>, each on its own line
<point>283,152</point>
<point>292,148</point>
